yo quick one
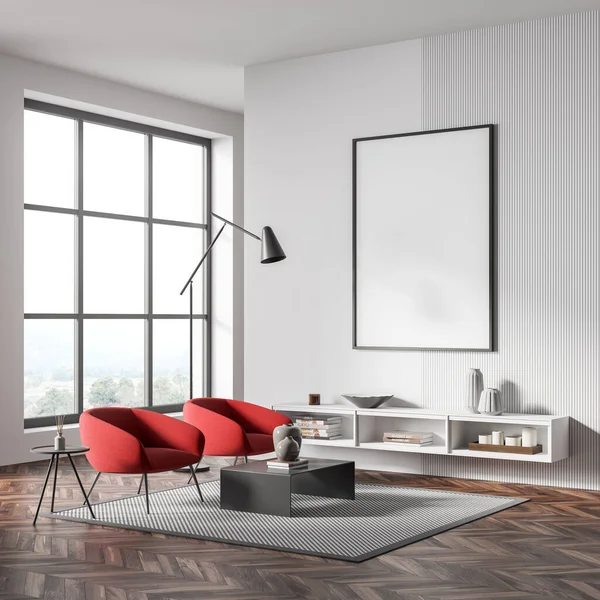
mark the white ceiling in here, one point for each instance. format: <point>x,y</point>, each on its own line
<point>196,49</point>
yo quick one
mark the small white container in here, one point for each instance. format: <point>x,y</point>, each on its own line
<point>485,439</point>
<point>498,438</point>
<point>530,436</point>
<point>512,440</point>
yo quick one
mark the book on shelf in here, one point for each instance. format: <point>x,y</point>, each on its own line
<point>401,439</point>
<point>410,435</point>
<point>287,465</point>
<point>308,421</point>
<point>397,443</point>
<point>312,436</point>
<point>321,432</point>
<point>331,427</point>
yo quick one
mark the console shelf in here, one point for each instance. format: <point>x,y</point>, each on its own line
<point>452,431</point>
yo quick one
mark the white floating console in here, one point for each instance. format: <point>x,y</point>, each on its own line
<point>452,432</point>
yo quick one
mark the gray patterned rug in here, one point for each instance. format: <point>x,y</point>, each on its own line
<point>380,519</point>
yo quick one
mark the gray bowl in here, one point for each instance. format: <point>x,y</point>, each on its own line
<point>366,401</point>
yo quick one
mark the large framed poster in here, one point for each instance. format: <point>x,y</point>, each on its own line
<point>423,240</point>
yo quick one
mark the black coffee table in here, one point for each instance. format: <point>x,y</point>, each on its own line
<point>253,487</point>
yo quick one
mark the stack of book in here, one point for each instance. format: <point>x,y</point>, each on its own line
<point>409,438</point>
<point>287,465</point>
<point>323,428</point>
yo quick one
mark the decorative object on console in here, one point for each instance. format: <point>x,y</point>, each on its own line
<point>485,438</point>
<point>367,400</point>
<point>498,438</point>
<point>409,438</point>
<point>287,465</point>
<point>474,389</point>
<point>287,441</point>
<point>490,402</point>
<point>495,448</point>
<point>59,440</point>
<point>529,437</point>
<point>314,399</point>
<point>513,440</point>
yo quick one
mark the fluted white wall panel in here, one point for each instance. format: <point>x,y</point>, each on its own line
<point>539,82</point>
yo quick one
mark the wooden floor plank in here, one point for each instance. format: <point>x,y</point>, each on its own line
<point>544,549</point>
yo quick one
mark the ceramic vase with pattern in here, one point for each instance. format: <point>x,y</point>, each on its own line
<point>287,440</point>
<point>474,389</point>
<point>490,402</point>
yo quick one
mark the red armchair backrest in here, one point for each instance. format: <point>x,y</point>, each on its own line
<point>250,417</point>
<point>123,418</point>
<point>218,405</point>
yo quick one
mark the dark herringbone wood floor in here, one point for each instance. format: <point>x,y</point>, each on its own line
<point>544,549</point>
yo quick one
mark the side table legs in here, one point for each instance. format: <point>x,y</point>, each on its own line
<point>37,512</point>
<point>81,486</point>
<point>54,462</point>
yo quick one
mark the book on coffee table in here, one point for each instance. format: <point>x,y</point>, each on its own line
<point>287,465</point>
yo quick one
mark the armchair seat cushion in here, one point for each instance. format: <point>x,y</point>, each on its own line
<point>260,443</point>
<point>167,459</point>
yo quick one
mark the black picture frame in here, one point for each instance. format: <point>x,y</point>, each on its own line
<point>492,347</point>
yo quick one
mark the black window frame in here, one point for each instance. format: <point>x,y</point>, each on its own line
<point>79,316</point>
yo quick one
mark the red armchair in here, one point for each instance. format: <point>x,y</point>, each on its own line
<point>137,441</point>
<point>233,427</point>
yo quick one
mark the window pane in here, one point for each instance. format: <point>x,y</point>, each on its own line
<point>113,266</point>
<point>49,367</point>
<point>113,362</point>
<point>113,170</point>
<point>172,360</point>
<point>177,251</point>
<point>49,262</point>
<point>49,160</point>
<point>178,180</point>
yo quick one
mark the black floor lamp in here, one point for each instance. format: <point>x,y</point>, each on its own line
<point>271,252</point>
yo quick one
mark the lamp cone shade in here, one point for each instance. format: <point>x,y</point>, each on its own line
<point>271,248</point>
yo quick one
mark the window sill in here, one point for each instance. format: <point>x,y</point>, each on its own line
<point>71,426</point>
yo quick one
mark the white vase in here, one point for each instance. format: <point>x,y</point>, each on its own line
<point>59,442</point>
<point>474,389</point>
<point>490,402</point>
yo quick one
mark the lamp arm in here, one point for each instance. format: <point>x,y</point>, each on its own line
<point>226,222</point>
<point>237,227</point>
<point>202,260</point>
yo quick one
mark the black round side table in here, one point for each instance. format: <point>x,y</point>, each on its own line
<point>55,457</point>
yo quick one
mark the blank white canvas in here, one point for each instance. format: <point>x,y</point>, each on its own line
<point>422,241</point>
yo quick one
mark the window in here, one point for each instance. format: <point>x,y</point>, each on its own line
<point>115,222</point>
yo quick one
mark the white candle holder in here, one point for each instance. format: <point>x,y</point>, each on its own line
<point>530,437</point>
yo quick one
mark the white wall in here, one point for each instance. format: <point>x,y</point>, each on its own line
<point>539,83</point>
<point>19,78</point>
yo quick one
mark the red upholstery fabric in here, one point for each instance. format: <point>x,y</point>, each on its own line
<point>166,459</point>
<point>233,427</point>
<point>132,440</point>
<point>260,443</point>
